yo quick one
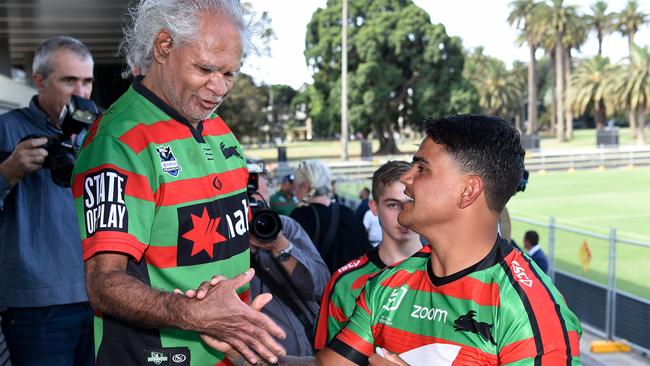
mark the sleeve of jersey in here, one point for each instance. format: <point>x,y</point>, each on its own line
<point>356,341</point>
<point>540,329</point>
<point>113,199</point>
<point>331,317</point>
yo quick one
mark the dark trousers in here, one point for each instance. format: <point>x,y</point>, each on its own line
<point>52,335</point>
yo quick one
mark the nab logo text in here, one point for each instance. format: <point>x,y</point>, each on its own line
<point>521,275</point>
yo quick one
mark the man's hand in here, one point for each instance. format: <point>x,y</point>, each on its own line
<point>258,303</point>
<point>275,247</point>
<point>27,157</point>
<point>229,320</point>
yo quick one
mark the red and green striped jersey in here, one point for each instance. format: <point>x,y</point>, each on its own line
<point>173,198</point>
<point>341,293</point>
<point>501,311</point>
<point>340,296</point>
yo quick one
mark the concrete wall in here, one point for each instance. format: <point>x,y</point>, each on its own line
<point>14,95</point>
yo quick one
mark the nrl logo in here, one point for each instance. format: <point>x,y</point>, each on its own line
<point>168,161</point>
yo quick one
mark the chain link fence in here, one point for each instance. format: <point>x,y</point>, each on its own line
<point>611,292</point>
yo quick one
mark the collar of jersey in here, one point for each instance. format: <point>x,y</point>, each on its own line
<point>373,256</point>
<point>197,132</point>
<point>500,249</point>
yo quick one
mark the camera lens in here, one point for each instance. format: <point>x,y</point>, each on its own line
<point>266,225</point>
<point>61,170</point>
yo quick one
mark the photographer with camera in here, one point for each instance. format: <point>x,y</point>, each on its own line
<point>290,268</point>
<point>287,266</point>
<point>48,318</point>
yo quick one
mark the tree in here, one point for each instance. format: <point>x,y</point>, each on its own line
<point>400,65</point>
<point>497,89</point>
<point>600,21</point>
<point>558,18</point>
<point>518,76</point>
<point>629,20</point>
<point>280,109</point>
<point>574,36</point>
<point>245,108</point>
<point>525,16</point>
<point>634,88</point>
<point>592,85</point>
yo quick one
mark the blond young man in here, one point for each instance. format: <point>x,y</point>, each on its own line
<point>397,244</point>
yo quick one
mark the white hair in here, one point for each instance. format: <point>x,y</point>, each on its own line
<point>180,18</point>
<point>317,175</point>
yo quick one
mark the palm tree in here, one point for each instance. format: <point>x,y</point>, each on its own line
<point>519,78</point>
<point>574,36</point>
<point>593,85</point>
<point>557,19</point>
<point>498,92</point>
<point>634,88</point>
<point>524,16</point>
<point>629,20</point>
<point>601,21</point>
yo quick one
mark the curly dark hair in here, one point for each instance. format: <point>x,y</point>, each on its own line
<point>486,146</point>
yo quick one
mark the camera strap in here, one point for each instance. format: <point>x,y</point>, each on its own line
<point>283,293</point>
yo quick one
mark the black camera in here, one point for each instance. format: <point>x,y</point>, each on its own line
<point>76,117</point>
<point>265,224</point>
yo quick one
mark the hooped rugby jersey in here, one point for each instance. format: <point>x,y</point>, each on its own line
<point>502,311</point>
<point>173,198</point>
<point>341,293</point>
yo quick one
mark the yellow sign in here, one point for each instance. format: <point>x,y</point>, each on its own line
<point>585,256</point>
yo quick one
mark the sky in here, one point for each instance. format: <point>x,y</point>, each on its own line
<point>477,22</point>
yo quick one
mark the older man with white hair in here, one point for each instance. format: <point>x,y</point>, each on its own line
<point>160,193</point>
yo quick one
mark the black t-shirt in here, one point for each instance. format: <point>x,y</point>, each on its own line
<point>350,240</point>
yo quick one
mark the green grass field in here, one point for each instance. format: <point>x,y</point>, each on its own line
<point>593,201</point>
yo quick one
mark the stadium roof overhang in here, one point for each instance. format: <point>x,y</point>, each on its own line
<point>26,23</point>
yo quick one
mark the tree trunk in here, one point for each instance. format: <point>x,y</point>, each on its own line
<point>553,96</point>
<point>531,125</point>
<point>599,35</point>
<point>518,121</point>
<point>640,129</point>
<point>559,86</point>
<point>567,83</point>
<point>387,145</point>
<point>599,108</point>
<point>632,115</point>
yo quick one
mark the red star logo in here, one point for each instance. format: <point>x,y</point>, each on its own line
<point>204,233</point>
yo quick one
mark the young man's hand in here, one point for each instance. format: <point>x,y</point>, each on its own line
<point>389,359</point>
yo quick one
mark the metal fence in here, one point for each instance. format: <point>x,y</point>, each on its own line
<point>601,158</point>
<point>612,297</point>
